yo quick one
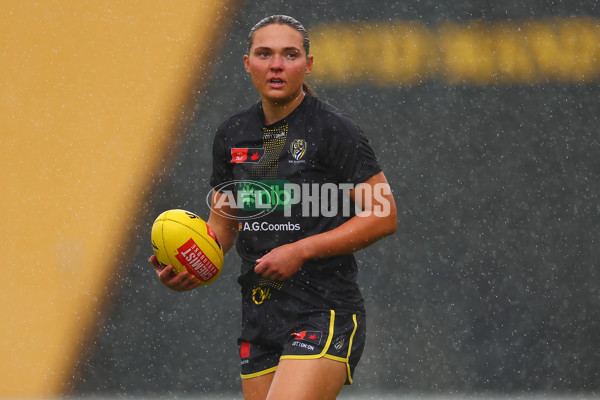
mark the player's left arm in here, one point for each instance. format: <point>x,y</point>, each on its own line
<point>377,219</point>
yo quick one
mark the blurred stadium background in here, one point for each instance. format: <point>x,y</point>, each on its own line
<point>485,118</point>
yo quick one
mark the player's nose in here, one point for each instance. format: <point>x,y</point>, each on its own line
<point>276,62</point>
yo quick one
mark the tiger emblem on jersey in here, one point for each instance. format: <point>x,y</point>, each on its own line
<point>298,148</point>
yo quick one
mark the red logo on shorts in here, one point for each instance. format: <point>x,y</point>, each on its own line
<point>309,336</point>
<point>245,350</point>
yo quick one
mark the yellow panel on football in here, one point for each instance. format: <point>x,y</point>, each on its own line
<point>91,94</point>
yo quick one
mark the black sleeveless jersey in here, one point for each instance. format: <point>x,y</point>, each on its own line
<point>288,181</point>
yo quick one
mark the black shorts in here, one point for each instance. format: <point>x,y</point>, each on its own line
<point>276,327</point>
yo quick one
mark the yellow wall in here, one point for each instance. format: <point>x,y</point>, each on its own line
<point>404,53</point>
<point>90,96</point>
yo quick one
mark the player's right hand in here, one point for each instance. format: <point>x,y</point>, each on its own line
<point>179,282</point>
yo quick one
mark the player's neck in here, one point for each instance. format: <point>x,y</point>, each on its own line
<point>277,110</point>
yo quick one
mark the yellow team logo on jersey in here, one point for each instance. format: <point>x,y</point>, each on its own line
<point>298,148</point>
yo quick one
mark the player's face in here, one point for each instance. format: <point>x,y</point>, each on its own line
<point>278,63</point>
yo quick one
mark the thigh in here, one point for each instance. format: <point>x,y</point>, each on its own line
<point>257,388</point>
<point>310,379</point>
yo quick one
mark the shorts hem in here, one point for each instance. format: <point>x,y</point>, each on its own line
<point>259,373</point>
<point>335,358</point>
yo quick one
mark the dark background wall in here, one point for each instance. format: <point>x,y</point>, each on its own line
<point>491,282</point>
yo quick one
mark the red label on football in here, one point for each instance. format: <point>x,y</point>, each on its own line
<point>195,261</point>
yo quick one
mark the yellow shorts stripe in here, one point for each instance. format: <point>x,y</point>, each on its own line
<point>350,348</point>
<point>259,373</point>
<point>325,348</point>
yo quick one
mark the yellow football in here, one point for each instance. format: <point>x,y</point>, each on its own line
<point>185,241</point>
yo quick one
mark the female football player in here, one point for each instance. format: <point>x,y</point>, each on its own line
<point>303,316</point>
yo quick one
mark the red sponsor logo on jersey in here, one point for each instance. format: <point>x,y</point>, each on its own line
<point>239,155</point>
<point>246,155</point>
<point>309,336</point>
<point>195,261</point>
<point>245,350</point>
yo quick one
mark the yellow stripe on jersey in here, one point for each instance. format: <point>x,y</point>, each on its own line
<point>274,140</point>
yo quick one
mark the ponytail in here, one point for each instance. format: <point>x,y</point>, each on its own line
<point>307,89</point>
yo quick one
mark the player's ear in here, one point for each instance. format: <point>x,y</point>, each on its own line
<point>309,64</point>
<point>247,63</point>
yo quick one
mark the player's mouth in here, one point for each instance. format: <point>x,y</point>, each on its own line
<point>276,82</point>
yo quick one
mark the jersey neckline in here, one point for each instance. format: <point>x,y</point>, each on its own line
<point>283,121</point>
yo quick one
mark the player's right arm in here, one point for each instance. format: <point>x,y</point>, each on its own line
<point>226,230</point>
<point>222,220</point>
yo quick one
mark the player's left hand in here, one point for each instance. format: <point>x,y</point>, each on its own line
<point>280,263</point>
